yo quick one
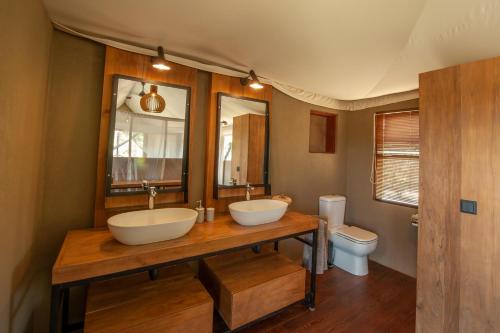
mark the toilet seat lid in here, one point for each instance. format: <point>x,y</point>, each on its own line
<point>356,234</point>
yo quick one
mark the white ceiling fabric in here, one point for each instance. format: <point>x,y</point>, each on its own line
<point>343,54</point>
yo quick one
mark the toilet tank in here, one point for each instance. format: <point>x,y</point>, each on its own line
<point>332,207</point>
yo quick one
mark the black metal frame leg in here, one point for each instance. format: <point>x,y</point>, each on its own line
<point>55,303</point>
<point>312,292</point>
<point>65,310</point>
<point>58,295</point>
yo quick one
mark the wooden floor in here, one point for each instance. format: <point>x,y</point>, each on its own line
<point>382,301</point>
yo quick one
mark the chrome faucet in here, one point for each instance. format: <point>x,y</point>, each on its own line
<point>151,193</point>
<point>249,188</point>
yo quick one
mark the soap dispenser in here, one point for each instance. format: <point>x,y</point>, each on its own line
<point>201,212</point>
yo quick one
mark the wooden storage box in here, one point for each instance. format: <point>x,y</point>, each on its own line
<point>175,302</point>
<point>247,286</point>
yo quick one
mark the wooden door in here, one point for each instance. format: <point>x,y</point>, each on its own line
<point>458,273</point>
<point>240,149</point>
<point>256,148</point>
<point>249,140</point>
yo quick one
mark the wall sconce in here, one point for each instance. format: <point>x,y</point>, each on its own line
<point>159,61</point>
<point>253,80</point>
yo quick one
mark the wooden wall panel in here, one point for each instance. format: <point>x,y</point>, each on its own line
<point>458,284</point>
<point>480,241</point>
<point>139,66</point>
<point>232,86</point>
<point>439,219</point>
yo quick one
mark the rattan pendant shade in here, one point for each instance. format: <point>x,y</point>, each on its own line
<point>153,102</point>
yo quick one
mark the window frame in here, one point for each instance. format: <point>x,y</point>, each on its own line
<point>374,158</point>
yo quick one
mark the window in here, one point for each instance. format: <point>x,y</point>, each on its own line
<point>142,136</point>
<point>322,128</point>
<point>396,160</point>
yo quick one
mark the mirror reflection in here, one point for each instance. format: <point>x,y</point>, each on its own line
<point>148,126</point>
<point>242,141</point>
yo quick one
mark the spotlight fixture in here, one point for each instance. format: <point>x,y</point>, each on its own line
<point>253,80</point>
<point>159,61</point>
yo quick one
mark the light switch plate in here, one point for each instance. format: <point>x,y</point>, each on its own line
<point>468,206</point>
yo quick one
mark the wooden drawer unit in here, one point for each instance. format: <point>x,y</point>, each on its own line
<point>247,286</point>
<point>175,302</point>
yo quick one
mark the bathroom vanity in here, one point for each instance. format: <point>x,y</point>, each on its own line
<point>89,255</point>
<point>145,160</point>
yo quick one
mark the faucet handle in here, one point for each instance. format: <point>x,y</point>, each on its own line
<point>250,187</point>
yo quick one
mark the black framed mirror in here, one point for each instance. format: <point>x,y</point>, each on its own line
<point>242,143</point>
<point>148,137</point>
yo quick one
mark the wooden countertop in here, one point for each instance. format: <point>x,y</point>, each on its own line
<point>88,253</point>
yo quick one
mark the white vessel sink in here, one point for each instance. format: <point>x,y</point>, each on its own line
<point>255,212</point>
<point>149,226</point>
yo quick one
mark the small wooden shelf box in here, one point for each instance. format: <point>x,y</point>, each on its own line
<point>247,286</point>
<point>175,302</point>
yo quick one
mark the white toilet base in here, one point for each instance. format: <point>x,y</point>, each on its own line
<point>357,265</point>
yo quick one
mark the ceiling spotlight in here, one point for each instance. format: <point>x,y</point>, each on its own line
<point>253,80</point>
<point>159,61</point>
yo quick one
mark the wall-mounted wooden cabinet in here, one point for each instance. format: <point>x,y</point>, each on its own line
<point>458,279</point>
<point>322,132</point>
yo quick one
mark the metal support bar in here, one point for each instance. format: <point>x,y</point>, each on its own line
<point>303,241</point>
<point>55,303</point>
<point>276,246</point>
<point>65,311</point>
<point>312,291</point>
<point>256,249</point>
<point>153,274</point>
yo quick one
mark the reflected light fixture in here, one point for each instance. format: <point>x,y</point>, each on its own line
<point>153,102</point>
<point>142,93</point>
<point>253,80</point>
<point>159,61</point>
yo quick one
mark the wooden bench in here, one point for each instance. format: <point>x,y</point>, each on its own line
<point>247,286</point>
<point>175,302</point>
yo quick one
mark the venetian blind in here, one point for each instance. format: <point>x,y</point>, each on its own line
<point>397,157</point>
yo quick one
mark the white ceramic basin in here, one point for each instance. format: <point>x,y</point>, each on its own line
<point>149,226</point>
<point>254,212</point>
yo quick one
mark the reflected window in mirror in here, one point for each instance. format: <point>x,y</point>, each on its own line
<point>243,142</point>
<point>148,137</point>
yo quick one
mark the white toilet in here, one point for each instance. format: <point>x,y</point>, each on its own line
<point>349,247</point>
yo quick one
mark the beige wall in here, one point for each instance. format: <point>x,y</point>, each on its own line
<point>48,185</point>
<point>294,171</point>
<point>72,130</point>
<point>397,244</point>
<point>25,32</point>
<point>71,141</point>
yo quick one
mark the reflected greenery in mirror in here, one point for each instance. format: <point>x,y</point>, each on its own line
<point>242,142</point>
<point>148,137</point>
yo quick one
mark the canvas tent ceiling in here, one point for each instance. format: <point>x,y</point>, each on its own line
<point>319,51</point>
